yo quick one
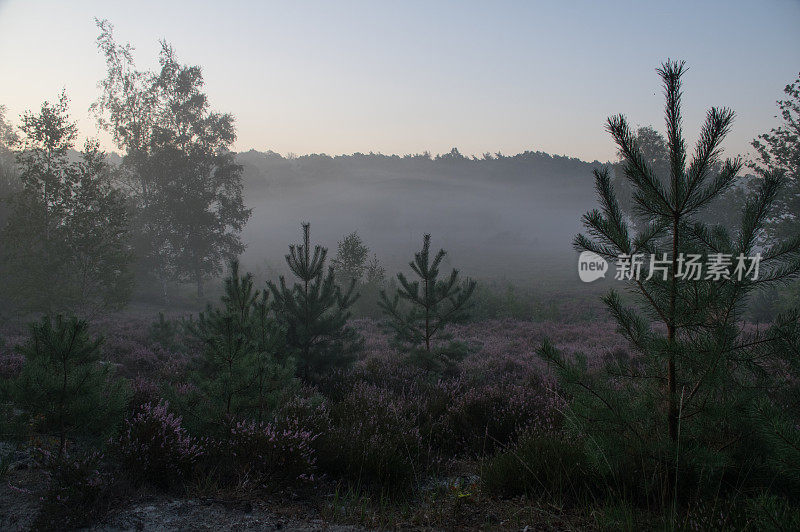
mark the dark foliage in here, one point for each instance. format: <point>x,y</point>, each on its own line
<point>314,311</point>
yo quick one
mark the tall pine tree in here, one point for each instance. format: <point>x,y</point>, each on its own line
<point>696,389</point>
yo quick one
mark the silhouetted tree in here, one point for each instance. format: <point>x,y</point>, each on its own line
<point>432,303</point>
<point>315,311</point>
<point>66,241</point>
<point>185,182</point>
<point>9,180</point>
<point>374,272</point>
<point>350,261</point>
<point>779,150</point>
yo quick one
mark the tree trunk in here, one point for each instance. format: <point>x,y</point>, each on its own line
<point>198,278</point>
<point>672,407</point>
<point>164,298</point>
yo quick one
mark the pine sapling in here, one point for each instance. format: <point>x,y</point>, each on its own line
<point>430,302</point>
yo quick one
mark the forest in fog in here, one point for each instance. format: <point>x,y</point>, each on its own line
<point>195,337</point>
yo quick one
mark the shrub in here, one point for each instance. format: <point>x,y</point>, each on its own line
<point>375,439</point>
<point>306,410</point>
<point>76,493</point>
<point>479,417</point>
<point>264,452</point>
<point>540,464</point>
<point>155,448</point>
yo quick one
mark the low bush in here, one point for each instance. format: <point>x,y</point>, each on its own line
<point>479,417</point>
<point>155,448</point>
<point>77,490</point>
<point>541,464</point>
<point>263,453</point>
<point>375,440</point>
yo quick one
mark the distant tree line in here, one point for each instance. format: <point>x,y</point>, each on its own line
<point>79,232</point>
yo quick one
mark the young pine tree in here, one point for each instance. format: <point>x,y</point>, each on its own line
<point>315,311</point>
<point>64,388</point>
<point>432,302</point>
<point>239,375</point>
<point>697,388</point>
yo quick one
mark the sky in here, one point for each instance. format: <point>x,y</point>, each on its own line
<point>405,77</point>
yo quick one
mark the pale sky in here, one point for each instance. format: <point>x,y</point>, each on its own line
<point>404,77</point>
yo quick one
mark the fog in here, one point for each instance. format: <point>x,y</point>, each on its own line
<point>510,217</point>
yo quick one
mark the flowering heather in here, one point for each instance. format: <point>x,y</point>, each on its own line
<point>154,447</point>
<point>10,361</point>
<point>481,416</point>
<point>266,452</point>
<point>376,437</point>
<point>384,420</point>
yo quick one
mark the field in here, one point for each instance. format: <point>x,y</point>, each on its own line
<point>499,390</point>
<point>388,442</point>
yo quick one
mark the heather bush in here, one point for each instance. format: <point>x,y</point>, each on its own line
<point>155,448</point>
<point>542,464</point>
<point>266,453</point>
<point>474,418</point>
<point>77,490</point>
<point>143,390</point>
<point>374,440</point>
<point>307,410</point>
<point>10,361</point>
